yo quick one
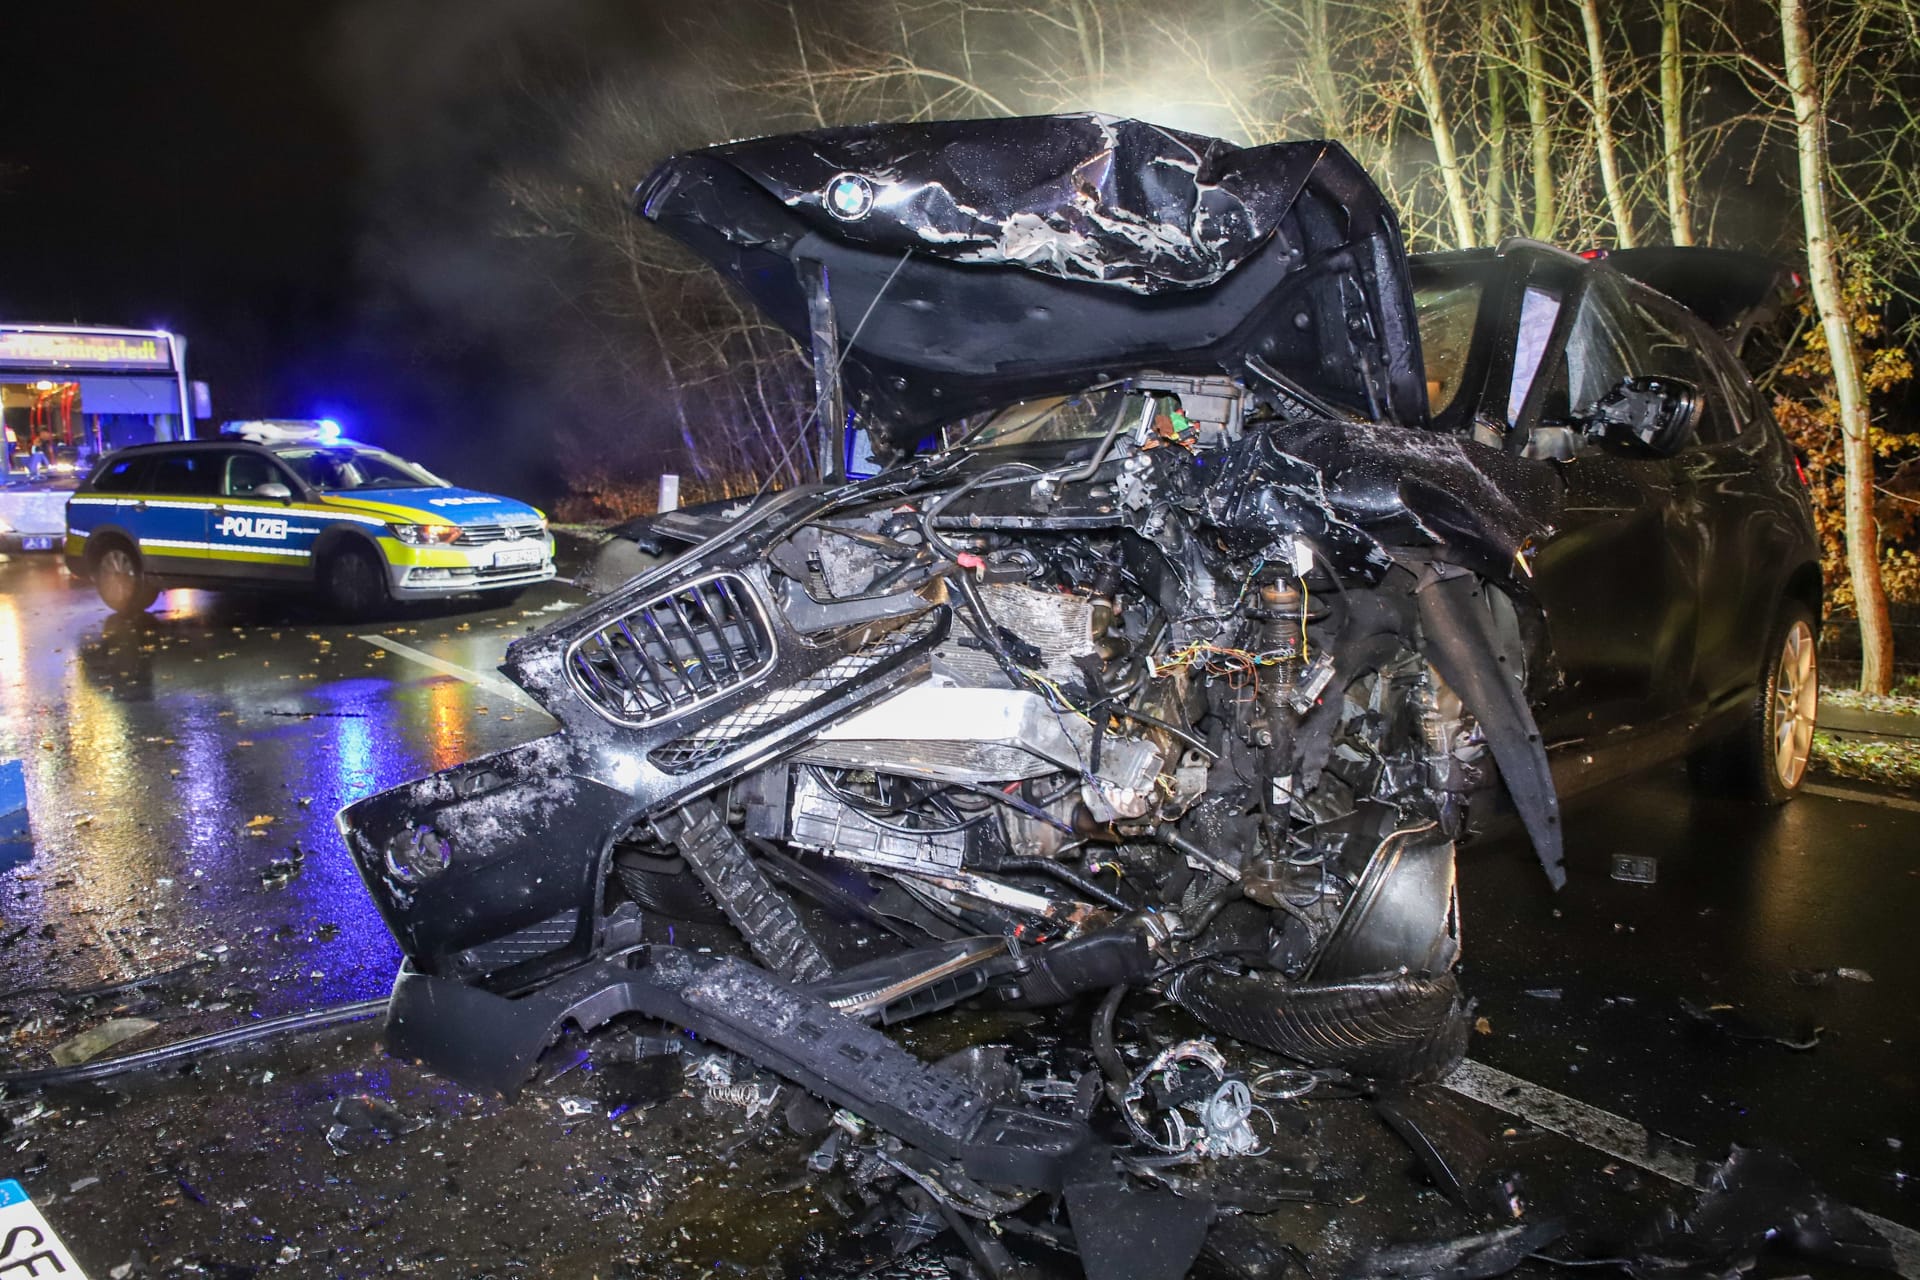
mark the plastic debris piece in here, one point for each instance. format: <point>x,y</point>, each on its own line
<point>1754,1198</point>
<point>1730,1022</point>
<point>363,1113</point>
<point>577,1106</point>
<point>1228,1117</point>
<point>1635,868</point>
<point>281,870</point>
<point>1475,1257</point>
<point>94,1041</point>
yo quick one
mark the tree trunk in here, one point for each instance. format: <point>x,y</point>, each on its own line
<point>1329,103</point>
<point>1539,128</point>
<point>1602,92</point>
<point>1823,274</point>
<point>1426,79</point>
<point>806,69</point>
<point>1493,197</point>
<point>1673,124</point>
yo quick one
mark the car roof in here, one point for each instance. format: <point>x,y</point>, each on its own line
<point>185,446</point>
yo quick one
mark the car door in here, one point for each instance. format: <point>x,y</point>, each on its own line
<point>1728,471</point>
<point>259,539</point>
<point>170,518</point>
<point>1613,580</point>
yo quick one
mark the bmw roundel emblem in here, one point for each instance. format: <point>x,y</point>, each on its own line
<point>849,197</point>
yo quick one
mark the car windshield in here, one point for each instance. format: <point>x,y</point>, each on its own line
<point>1447,306</point>
<point>1085,416</point>
<point>339,469</point>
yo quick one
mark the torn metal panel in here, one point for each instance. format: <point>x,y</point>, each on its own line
<point>1488,670</point>
<point>1019,252</point>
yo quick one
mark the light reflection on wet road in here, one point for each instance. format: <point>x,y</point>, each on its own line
<point>156,746</point>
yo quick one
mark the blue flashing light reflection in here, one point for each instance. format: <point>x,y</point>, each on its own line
<point>329,430</point>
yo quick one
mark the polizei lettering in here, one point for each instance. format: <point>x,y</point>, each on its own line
<point>273,527</point>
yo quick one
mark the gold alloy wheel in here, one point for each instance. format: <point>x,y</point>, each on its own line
<point>1796,697</point>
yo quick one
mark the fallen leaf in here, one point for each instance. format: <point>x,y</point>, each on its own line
<point>1482,1026</point>
<point>260,820</point>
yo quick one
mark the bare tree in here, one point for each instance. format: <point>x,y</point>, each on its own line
<point>1600,89</point>
<point>1824,277</point>
<point>1433,102</point>
<point>1673,124</point>
<point>1533,69</point>
<point>1492,190</point>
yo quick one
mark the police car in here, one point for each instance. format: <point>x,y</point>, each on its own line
<point>291,504</point>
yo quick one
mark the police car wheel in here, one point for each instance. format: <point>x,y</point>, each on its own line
<point>356,582</point>
<point>122,586</point>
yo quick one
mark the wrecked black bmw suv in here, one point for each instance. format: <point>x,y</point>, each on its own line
<point>1252,568</point>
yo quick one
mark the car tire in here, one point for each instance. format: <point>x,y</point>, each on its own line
<point>354,580</point>
<point>121,582</point>
<point>1766,759</point>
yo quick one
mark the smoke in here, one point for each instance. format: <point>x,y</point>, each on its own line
<point>464,333</point>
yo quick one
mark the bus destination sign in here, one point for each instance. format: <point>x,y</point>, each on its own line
<point>50,350</point>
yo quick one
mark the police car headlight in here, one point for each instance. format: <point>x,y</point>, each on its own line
<point>426,535</point>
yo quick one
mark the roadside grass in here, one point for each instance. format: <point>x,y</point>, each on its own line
<point>1896,704</point>
<point>1889,762</point>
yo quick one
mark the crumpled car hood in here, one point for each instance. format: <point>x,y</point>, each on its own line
<point>971,262</point>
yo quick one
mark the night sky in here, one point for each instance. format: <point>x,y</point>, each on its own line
<point>183,165</point>
<point>267,179</point>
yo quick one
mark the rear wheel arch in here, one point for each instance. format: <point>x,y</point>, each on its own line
<point>100,541</point>
<point>1806,586</point>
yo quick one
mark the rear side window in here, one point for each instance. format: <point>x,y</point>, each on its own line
<point>1674,351</point>
<point>125,476</point>
<point>195,475</point>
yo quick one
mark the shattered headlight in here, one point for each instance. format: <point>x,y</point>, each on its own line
<point>424,535</point>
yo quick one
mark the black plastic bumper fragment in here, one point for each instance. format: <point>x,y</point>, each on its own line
<point>1484,669</point>
<point>492,1042</point>
<point>1396,1027</point>
<point>763,915</point>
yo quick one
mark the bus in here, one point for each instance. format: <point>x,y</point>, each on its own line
<point>71,393</point>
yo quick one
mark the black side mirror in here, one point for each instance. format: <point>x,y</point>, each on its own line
<point>1653,417</point>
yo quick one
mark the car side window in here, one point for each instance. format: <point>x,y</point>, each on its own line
<point>1673,351</point>
<point>1602,348</point>
<point>1539,308</point>
<point>125,476</point>
<point>194,475</point>
<point>246,472</point>
<point>1744,400</point>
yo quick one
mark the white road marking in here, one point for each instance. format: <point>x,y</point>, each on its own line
<point>1863,797</point>
<point>492,684</point>
<point>1624,1140</point>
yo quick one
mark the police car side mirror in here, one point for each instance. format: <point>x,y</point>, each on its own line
<point>273,489</point>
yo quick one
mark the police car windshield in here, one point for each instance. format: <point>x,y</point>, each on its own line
<point>338,469</point>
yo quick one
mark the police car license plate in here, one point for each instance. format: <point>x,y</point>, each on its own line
<point>517,556</point>
<point>36,544</point>
<point>28,1246</point>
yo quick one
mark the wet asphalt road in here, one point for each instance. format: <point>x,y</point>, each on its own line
<point>183,772</point>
